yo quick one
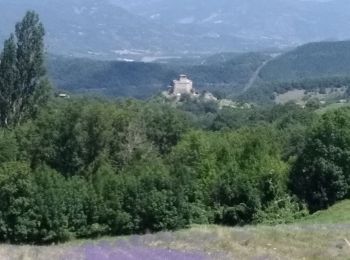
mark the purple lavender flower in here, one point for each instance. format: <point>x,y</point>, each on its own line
<point>124,250</point>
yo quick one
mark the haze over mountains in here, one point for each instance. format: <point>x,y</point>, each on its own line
<point>143,30</point>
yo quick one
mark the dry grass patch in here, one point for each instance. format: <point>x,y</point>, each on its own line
<point>299,241</point>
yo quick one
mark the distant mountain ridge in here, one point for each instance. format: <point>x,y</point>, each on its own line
<point>276,22</point>
<point>144,30</point>
<point>85,27</point>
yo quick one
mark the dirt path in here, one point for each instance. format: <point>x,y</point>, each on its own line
<point>255,75</point>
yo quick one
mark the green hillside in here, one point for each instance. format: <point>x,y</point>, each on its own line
<point>315,67</point>
<point>141,80</point>
<point>314,60</point>
<point>339,213</point>
<point>108,78</point>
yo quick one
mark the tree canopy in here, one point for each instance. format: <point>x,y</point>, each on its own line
<point>23,87</point>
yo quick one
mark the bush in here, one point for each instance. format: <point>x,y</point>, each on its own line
<point>18,219</point>
<point>321,175</point>
<point>283,210</point>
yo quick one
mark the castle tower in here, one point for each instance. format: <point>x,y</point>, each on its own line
<point>181,86</point>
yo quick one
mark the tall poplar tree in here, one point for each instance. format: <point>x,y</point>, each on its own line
<point>23,85</point>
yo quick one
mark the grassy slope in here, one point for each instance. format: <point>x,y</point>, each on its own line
<point>339,213</point>
<point>330,107</point>
<point>319,236</point>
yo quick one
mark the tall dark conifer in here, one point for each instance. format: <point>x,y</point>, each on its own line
<point>8,78</point>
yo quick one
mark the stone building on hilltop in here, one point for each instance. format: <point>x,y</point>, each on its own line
<point>182,86</point>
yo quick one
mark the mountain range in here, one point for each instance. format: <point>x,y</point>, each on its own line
<point>153,29</point>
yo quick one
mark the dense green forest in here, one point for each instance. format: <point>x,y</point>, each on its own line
<point>143,80</point>
<point>89,167</point>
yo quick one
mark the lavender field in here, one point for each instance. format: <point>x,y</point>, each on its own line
<point>304,241</point>
<point>132,248</point>
<point>97,251</point>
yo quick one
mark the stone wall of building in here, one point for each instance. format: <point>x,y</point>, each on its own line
<point>181,86</point>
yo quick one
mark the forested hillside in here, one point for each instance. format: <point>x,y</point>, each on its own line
<point>315,67</point>
<point>137,79</point>
<point>310,61</point>
<point>309,67</point>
